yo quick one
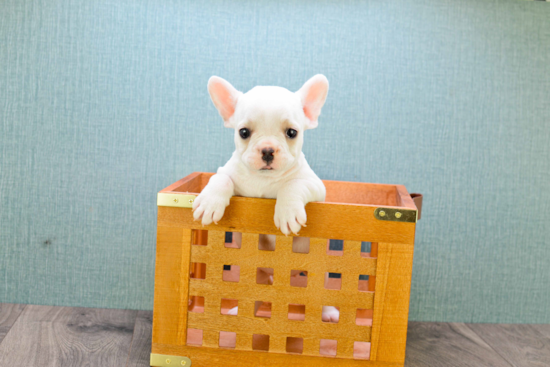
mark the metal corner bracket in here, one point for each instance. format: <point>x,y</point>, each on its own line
<point>175,200</point>
<point>396,215</point>
<point>160,360</point>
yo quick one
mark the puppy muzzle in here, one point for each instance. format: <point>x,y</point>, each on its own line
<point>267,155</point>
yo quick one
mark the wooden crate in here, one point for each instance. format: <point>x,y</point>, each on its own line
<point>193,292</point>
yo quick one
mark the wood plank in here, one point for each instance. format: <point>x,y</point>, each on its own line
<point>208,357</point>
<point>260,325</point>
<point>360,193</point>
<point>520,344</point>
<point>213,288</point>
<point>49,336</point>
<point>171,285</point>
<point>391,302</point>
<point>448,344</point>
<point>190,183</point>
<point>543,329</point>
<point>9,312</point>
<point>352,263</point>
<point>372,279</point>
<point>140,351</point>
<point>324,220</point>
<point>404,199</point>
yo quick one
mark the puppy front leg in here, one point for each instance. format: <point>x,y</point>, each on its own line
<point>214,198</point>
<point>330,314</point>
<point>290,212</point>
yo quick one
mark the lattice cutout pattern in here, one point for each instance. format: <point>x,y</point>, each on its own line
<point>349,338</point>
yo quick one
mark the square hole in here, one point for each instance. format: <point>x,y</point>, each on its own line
<point>300,245</point>
<point>361,350</point>
<point>231,273</point>
<point>296,312</point>
<point>262,309</point>
<point>365,249</point>
<point>328,347</point>
<point>228,339</point>
<point>363,283</point>
<point>266,242</point>
<point>229,307</point>
<point>298,278</point>
<point>196,304</point>
<point>294,345</point>
<point>363,317</point>
<point>260,342</point>
<point>335,247</point>
<point>198,271</point>
<point>330,314</point>
<point>264,276</point>
<point>233,239</point>
<point>333,281</point>
<point>369,249</point>
<point>194,337</point>
<point>200,237</point>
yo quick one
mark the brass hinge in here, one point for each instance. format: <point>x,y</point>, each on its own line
<point>175,200</point>
<point>396,215</point>
<point>160,360</point>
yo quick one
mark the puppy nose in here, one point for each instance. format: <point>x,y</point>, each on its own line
<point>267,155</point>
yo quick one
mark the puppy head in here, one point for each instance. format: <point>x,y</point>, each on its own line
<point>269,122</point>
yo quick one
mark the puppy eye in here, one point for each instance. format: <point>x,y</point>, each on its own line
<point>244,133</point>
<point>291,133</point>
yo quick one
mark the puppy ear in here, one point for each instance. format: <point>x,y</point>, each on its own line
<point>224,96</point>
<point>313,95</point>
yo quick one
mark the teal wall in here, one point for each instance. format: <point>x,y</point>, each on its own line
<point>103,103</point>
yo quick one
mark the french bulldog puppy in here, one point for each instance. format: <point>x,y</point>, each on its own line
<point>268,162</point>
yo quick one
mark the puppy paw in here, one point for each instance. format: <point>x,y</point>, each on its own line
<point>290,216</point>
<point>330,314</point>
<point>234,311</point>
<point>209,207</point>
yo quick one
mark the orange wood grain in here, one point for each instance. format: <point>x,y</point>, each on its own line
<point>404,199</point>
<point>337,191</point>
<point>295,311</point>
<point>309,328</point>
<point>351,263</point>
<point>325,220</point>
<point>209,357</point>
<point>360,193</point>
<point>245,293</point>
<point>280,294</point>
<point>391,303</point>
<point>190,183</point>
<point>373,253</point>
<point>171,285</point>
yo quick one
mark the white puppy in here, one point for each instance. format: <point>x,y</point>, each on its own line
<point>268,162</point>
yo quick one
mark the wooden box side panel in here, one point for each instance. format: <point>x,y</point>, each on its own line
<point>388,336</point>
<point>317,263</point>
<point>391,302</point>
<point>394,242</point>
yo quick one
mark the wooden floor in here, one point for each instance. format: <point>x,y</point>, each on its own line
<point>45,336</point>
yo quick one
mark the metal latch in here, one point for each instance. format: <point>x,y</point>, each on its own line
<point>160,360</point>
<point>395,215</point>
<point>175,200</point>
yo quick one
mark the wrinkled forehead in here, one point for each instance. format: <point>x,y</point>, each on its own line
<point>270,105</point>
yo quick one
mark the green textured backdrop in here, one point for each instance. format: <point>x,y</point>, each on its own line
<point>103,103</point>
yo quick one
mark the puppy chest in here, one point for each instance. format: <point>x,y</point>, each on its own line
<point>256,188</point>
